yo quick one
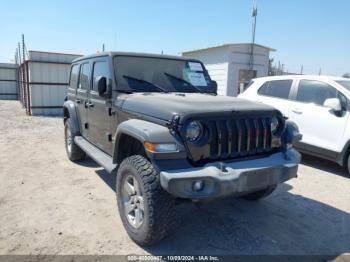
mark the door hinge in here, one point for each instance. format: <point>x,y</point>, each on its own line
<point>111,112</point>
<point>110,137</point>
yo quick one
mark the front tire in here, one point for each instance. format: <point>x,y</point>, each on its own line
<point>74,152</point>
<point>257,195</point>
<point>146,210</point>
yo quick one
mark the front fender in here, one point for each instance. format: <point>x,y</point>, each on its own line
<point>147,131</point>
<point>73,115</point>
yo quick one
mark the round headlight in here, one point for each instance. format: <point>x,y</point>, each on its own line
<point>193,131</point>
<point>274,124</point>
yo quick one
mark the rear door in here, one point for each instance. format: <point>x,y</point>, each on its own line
<point>82,96</point>
<point>276,93</point>
<point>99,108</point>
<point>321,128</point>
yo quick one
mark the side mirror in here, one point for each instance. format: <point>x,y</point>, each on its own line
<point>101,83</point>
<point>334,104</point>
<point>214,85</point>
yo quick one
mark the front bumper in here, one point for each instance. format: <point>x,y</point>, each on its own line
<point>232,178</point>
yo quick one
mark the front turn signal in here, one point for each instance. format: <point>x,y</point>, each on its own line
<point>161,147</point>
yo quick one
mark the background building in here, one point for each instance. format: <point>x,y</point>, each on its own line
<point>232,66</point>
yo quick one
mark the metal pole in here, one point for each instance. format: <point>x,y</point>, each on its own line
<point>19,53</point>
<point>23,53</point>
<point>16,54</point>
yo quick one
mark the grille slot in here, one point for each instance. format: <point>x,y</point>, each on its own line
<point>239,137</point>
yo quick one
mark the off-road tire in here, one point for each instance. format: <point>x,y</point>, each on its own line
<point>74,153</point>
<point>257,195</point>
<point>159,218</point>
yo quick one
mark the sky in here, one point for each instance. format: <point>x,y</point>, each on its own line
<point>314,34</point>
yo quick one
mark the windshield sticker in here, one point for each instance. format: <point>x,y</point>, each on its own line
<point>195,66</point>
<point>197,79</point>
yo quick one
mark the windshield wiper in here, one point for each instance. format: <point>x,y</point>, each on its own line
<point>147,82</point>
<point>183,81</point>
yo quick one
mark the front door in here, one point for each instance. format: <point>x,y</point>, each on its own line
<point>99,109</point>
<point>82,97</point>
<point>320,127</point>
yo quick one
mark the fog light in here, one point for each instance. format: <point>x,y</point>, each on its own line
<point>198,186</point>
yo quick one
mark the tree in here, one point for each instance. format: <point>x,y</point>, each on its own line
<point>346,75</point>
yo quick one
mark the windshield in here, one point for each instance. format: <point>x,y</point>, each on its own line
<point>148,74</point>
<point>344,83</point>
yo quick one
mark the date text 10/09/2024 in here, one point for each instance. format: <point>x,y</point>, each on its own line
<point>171,258</point>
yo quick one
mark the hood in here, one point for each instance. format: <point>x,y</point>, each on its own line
<point>187,105</point>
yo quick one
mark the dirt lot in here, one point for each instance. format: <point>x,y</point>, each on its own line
<point>49,205</point>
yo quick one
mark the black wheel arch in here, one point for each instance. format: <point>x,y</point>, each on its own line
<point>70,111</point>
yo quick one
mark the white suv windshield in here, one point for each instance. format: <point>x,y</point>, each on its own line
<point>344,83</point>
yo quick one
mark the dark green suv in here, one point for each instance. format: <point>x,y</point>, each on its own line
<point>157,123</point>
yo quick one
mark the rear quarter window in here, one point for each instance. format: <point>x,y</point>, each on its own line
<point>74,76</point>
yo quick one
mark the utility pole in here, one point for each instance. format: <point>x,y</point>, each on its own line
<point>103,47</point>
<point>254,15</point>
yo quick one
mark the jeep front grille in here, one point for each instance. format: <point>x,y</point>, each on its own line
<point>233,138</point>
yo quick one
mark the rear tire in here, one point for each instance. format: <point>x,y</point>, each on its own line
<point>74,152</point>
<point>146,210</point>
<point>257,195</point>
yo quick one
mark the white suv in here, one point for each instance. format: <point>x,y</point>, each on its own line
<point>319,105</point>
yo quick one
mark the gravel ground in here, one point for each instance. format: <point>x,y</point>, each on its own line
<point>49,205</point>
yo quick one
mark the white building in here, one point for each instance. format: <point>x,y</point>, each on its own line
<point>229,65</point>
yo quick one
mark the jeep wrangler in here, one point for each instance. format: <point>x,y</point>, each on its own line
<point>157,123</point>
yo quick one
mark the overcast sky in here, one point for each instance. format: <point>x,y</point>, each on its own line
<point>312,33</point>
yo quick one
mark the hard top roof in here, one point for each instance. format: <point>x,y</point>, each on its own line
<point>112,54</point>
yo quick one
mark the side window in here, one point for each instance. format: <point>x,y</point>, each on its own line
<point>100,69</point>
<point>311,91</point>
<point>276,88</point>
<point>74,76</point>
<point>84,78</point>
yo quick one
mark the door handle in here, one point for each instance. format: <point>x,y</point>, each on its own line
<point>78,101</point>
<point>88,104</point>
<point>297,111</point>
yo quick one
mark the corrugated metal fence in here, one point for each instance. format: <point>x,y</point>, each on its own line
<point>44,81</point>
<point>8,81</point>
